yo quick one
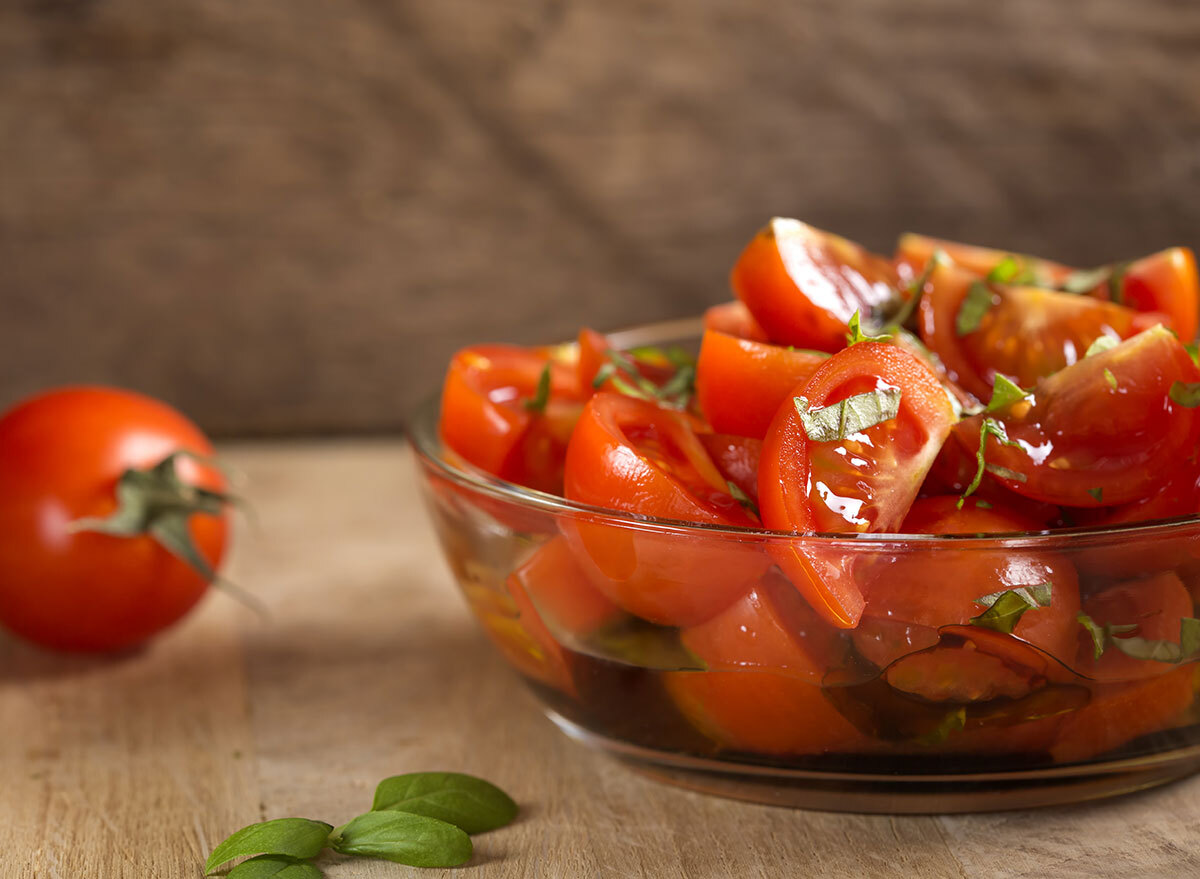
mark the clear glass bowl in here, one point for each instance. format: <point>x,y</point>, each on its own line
<point>761,700</point>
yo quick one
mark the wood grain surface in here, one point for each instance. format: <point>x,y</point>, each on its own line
<point>368,665</point>
<point>284,217</point>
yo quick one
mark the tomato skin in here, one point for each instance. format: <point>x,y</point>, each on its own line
<point>61,454</point>
<point>741,384</point>
<point>635,457</point>
<point>802,483</point>
<point>1120,439</point>
<point>803,285</point>
<point>734,319</point>
<point>484,418</point>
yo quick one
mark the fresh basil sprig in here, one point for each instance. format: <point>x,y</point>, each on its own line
<point>990,427</point>
<point>471,803</point>
<point>421,819</point>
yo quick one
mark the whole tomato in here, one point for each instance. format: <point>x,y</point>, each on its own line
<point>111,523</point>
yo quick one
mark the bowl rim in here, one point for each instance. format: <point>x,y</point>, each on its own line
<point>421,432</point>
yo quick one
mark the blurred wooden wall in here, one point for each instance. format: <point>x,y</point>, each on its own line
<point>284,216</point>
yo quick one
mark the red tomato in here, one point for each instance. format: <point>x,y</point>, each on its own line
<point>1119,713</point>
<point>633,456</point>
<point>903,614</point>
<point>803,285</point>
<point>1163,282</point>
<point>485,419</point>
<point>61,455</point>
<point>1104,431</point>
<point>1026,333</point>
<point>740,384</point>
<point>913,252</point>
<point>766,655</point>
<point>734,319</point>
<point>737,460</point>
<point>1153,605</point>
<point>865,482</point>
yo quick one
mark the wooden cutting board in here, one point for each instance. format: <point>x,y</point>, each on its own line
<point>368,665</point>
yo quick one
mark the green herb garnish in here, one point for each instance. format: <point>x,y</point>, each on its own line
<point>537,404</point>
<point>1085,280</point>
<point>856,334</point>
<point>467,802</point>
<point>1097,493</point>
<point>975,305</point>
<point>274,867</point>
<point>1004,394</point>
<point>403,837</point>
<point>1100,345</point>
<point>741,497</point>
<point>1110,378</point>
<point>1133,646</point>
<point>1012,270</point>
<point>1193,350</point>
<point>1005,609</point>
<point>824,424</point>
<point>990,427</point>
<point>1116,283</point>
<point>622,370</point>
<point>295,838</point>
<point>1186,394</point>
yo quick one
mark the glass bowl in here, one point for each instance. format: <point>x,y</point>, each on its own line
<point>741,690</point>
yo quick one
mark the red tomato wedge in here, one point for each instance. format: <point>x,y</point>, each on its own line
<point>737,458</point>
<point>1163,282</point>
<point>1025,333</point>
<point>734,319</point>
<point>766,655</point>
<point>1153,607</point>
<point>803,285</point>
<point>1103,431</point>
<point>633,456</point>
<point>485,417</point>
<point>845,480</point>
<point>740,384</point>
<point>913,253</point>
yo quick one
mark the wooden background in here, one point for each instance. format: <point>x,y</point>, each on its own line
<point>284,216</point>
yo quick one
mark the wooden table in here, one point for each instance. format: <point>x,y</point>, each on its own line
<point>369,665</point>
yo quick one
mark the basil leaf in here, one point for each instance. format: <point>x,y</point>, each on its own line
<point>1193,350</point>
<point>1116,283</point>
<point>416,840</point>
<point>1185,394</point>
<point>293,837</point>
<point>1004,393</point>
<point>542,396</point>
<point>825,424</point>
<point>1085,280</point>
<point>470,803</point>
<point>274,867</point>
<point>1097,493</point>
<point>1100,345</point>
<point>1005,609</point>
<point>1162,651</point>
<point>915,292</point>
<point>603,374</point>
<point>1004,271</point>
<point>1110,378</point>
<point>990,427</point>
<point>975,305</point>
<point>954,721</point>
<point>741,497</point>
<point>856,334</point>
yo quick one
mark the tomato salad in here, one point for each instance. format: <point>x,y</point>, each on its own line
<point>946,390</point>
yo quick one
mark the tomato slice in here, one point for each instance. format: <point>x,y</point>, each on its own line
<point>1025,333</point>
<point>734,319</point>
<point>740,384</point>
<point>595,351</point>
<point>1163,282</point>
<point>564,598</point>
<point>766,655</point>
<point>913,253</point>
<point>1154,606</point>
<point>803,285</point>
<point>485,419</point>
<point>865,481</point>
<point>737,458</point>
<point>630,455</point>
<point>1103,431</point>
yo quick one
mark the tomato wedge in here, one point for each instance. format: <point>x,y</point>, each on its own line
<point>913,253</point>
<point>735,319</point>
<point>740,384</point>
<point>1103,431</point>
<point>630,455</point>
<point>737,459</point>
<point>803,285</point>
<point>489,416</point>
<point>849,480</point>
<point>1024,333</point>
<point>1163,282</point>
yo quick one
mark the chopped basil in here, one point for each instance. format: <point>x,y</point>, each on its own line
<point>915,291</point>
<point>1085,280</point>
<point>1097,493</point>
<point>990,427</point>
<point>1100,345</point>
<point>1004,394</point>
<point>1005,609</point>
<point>1110,378</point>
<point>974,306</point>
<point>1136,647</point>
<point>741,497</point>
<point>1193,349</point>
<point>1186,394</point>
<point>1116,283</point>
<point>825,424</point>
<point>542,396</point>
<point>856,334</point>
